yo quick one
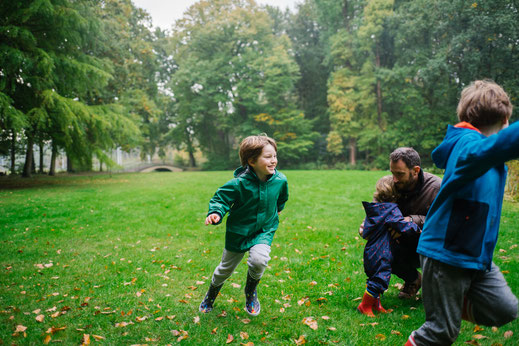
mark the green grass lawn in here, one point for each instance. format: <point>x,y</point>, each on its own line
<point>126,259</point>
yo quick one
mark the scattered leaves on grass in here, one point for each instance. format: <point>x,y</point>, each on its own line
<point>20,329</point>
<point>182,334</point>
<point>508,334</point>
<point>235,285</point>
<point>223,314</point>
<point>122,324</point>
<point>301,340</point>
<point>245,321</point>
<point>477,329</point>
<point>313,283</point>
<point>309,321</point>
<point>98,337</point>
<point>396,332</point>
<point>244,335</point>
<point>472,342</point>
<point>302,301</point>
<point>47,339</point>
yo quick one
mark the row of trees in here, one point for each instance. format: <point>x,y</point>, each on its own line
<point>335,81</point>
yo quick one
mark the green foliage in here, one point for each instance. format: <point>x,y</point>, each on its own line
<point>92,252</point>
<point>513,179</point>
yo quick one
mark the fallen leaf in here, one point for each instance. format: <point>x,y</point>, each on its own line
<point>495,329</point>
<point>40,318</point>
<point>47,339</point>
<point>200,283</point>
<point>141,319</point>
<point>171,317</point>
<point>405,317</point>
<point>477,329</point>
<point>309,321</point>
<point>235,285</point>
<point>313,283</point>
<point>396,332</point>
<point>302,301</point>
<point>98,337</point>
<point>214,330</point>
<point>184,335</point>
<point>122,324</point>
<point>245,321</point>
<point>508,334</point>
<point>85,340</point>
<point>223,314</point>
<point>175,332</point>
<point>196,319</point>
<point>301,340</point>
<point>250,343</point>
<point>20,328</point>
<point>244,335</point>
<point>331,328</point>
<point>37,311</point>
<point>230,338</point>
<point>53,330</point>
<point>381,337</point>
<point>479,337</point>
<point>472,342</point>
<point>158,319</point>
<point>325,317</point>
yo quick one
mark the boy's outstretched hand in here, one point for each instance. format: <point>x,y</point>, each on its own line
<point>212,219</point>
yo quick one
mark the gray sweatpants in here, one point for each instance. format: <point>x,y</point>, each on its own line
<point>449,293</point>
<point>257,262</point>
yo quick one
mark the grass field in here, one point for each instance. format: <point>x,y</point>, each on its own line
<point>126,259</point>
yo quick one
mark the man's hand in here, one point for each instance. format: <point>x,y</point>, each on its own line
<point>361,228</point>
<point>212,219</point>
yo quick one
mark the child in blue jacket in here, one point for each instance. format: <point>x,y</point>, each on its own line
<point>253,199</point>
<point>460,281</point>
<point>381,219</point>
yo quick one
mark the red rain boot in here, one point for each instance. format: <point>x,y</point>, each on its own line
<point>366,306</point>
<point>377,307</point>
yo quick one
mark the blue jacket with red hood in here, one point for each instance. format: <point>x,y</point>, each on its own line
<point>462,225</point>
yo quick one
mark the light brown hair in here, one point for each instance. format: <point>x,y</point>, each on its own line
<point>484,103</point>
<point>252,146</point>
<point>385,190</point>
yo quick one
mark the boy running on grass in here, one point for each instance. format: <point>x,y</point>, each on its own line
<point>381,219</point>
<point>254,198</point>
<point>460,281</point>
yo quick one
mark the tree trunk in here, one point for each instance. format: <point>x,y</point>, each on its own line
<point>52,169</point>
<point>190,149</point>
<point>41,157</point>
<point>70,165</point>
<point>353,151</point>
<point>379,90</point>
<point>100,166</point>
<point>27,168</point>
<point>13,153</point>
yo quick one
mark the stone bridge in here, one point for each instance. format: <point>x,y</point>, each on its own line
<point>152,167</point>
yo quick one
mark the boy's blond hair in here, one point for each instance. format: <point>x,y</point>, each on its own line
<point>484,103</point>
<point>252,146</point>
<point>385,190</point>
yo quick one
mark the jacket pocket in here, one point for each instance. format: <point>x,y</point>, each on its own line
<point>466,228</point>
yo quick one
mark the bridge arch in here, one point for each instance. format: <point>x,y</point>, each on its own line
<point>160,168</point>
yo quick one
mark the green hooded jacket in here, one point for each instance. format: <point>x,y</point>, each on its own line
<point>253,207</point>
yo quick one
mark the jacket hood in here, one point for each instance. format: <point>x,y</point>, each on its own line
<point>442,152</point>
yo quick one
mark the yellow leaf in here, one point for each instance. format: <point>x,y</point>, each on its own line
<point>381,337</point>
<point>214,330</point>
<point>85,340</point>
<point>313,283</point>
<point>477,329</point>
<point>230,338</point>
<point>396,332</point>
<point>479,337</point>
<point>47,339</point>
<point>301,340</point>
<point>405,317</point>
<point>98,337</point>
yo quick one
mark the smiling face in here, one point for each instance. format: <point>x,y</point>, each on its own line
<point>405,178</point>
<point>266,163</point>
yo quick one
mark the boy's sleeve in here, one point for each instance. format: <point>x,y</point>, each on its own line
<point>283,196</point>
<point>490,152</point>
<point>223,199</point>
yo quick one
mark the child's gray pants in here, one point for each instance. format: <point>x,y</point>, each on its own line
<point>444,288</point>
<point>257,262</point>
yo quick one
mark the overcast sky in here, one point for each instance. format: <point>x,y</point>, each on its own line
<point>165,12</point>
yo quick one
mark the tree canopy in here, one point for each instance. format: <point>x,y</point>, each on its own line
<point>334,82</point>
